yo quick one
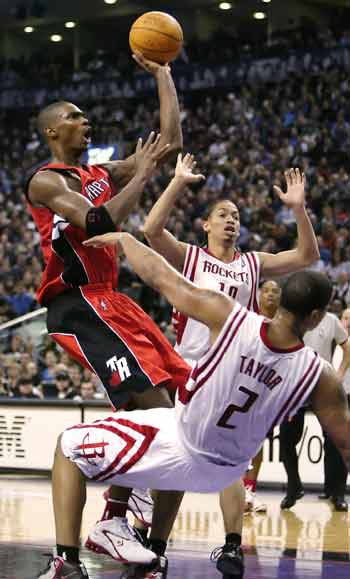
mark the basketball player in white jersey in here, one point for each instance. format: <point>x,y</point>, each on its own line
<point>221,266</point>
<point>254,374</point>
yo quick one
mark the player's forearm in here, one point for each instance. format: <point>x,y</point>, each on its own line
<point>149,265</point>
<point>307,246</point>
<point>160,212</point>
<point>120,206</point>
<point>170,124</point>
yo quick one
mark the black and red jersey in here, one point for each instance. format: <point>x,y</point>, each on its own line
<point>68,262</point>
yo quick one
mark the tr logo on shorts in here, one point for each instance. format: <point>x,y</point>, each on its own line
<point>119,368</point>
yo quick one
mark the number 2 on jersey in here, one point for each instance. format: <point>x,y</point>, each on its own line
<point>231,290</point>
<point>252,396</point>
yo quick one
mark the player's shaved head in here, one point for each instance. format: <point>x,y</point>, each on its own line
<point>47,118</point>
<point>306,291</point>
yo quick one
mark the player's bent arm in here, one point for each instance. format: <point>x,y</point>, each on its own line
<point>329,402</point>
<point>154,230</point>
<point>305,254</point>
<point>49,189</point>
<point>170,129</point>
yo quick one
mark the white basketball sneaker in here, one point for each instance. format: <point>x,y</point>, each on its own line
<point>140,504</point>
<point>116,538</point>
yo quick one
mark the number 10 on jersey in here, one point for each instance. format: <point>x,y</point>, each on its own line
<point>228,290</point>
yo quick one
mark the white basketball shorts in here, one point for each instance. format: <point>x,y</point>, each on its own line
<point>143,449</point>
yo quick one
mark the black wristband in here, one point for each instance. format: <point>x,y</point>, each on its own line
<point>99,221</point>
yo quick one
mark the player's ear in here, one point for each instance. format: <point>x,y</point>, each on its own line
<point>50,133</point>
<point>206,226</point>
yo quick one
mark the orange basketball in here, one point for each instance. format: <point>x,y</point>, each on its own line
<point>157,35</point>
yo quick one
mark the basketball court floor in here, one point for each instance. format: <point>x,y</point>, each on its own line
<point>308,542</point>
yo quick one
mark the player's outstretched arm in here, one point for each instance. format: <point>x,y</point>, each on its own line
<point>49,189</point>
<point>330,405</point>
<point>170,123</point>
<point>154,228</point>
<point>207,306</point>
<point>306,251</point>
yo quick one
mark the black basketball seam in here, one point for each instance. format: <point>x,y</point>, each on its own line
<point>159,32</point>
<point>152,49</point>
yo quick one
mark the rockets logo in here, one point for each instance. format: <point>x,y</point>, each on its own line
<point>92,450</point>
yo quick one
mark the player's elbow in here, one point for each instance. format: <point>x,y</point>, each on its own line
<point>151,231</point>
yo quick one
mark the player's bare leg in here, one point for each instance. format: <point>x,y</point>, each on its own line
<point>69,495</point>
<point>229,558</point>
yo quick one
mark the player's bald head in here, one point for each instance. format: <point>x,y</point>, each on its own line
<point>49,116</point>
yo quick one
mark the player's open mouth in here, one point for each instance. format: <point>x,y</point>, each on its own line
<point>230,228</point>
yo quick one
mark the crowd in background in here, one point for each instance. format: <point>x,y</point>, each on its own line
<point>244,137</point>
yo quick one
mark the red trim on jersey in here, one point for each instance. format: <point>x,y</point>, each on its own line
<point>194,267</point>
<point>198,369</point>
<point>149,433</point>
<point>179,319</point>
<point>186,395</point>
<point>263,335</point>
<point>284,409</point>
<point>236,255</point>
<point>296,403</point>
<point>255,289</point>
<point>253,278</point>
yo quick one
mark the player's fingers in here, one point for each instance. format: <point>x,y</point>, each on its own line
<point>179,159</point>
<point>287,175</point>
<point>298,175</point>
<point>303,178</point>
<point>139,145</point>
<point>200,177</point>
<point>150,140</point>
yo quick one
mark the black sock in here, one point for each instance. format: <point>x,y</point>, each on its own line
<point>143,533</point>
<point>234,538</point>
<point>158,546</point>
<point>70,554</point>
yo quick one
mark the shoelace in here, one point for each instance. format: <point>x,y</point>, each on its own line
<point>129,530</point>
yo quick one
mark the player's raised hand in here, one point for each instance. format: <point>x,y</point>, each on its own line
<point>149,154</point>
<point>148,65</point>
<point>294,197</point>
<point>184,169</point>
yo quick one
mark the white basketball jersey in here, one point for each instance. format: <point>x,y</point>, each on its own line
<point>239,279</point>
<point>241,388</point>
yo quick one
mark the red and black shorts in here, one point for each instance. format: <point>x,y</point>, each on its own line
<point>111,335</point>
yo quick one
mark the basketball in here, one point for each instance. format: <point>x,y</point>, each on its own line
<point>157,35</point>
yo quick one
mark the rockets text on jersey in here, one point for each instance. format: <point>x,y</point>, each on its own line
<point>238,279</point>
<point>241,388</point>
<point>68,263</point>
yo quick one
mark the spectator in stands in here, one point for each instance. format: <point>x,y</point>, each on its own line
<point>26,389</point>
<point>48,373</point>
<point>6,311</point>
<point>86,392</point>
<point>64,387</point>
<point>21,301</point>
